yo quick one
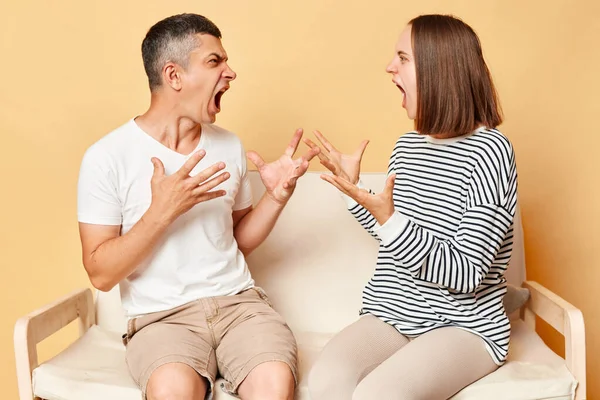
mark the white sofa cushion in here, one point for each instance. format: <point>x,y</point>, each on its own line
<point>94,368</point>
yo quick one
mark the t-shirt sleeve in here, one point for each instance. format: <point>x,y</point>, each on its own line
<point>243,199</point>
<point>97,199</point>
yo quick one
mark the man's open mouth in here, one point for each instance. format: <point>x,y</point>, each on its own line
<point>219,95</point>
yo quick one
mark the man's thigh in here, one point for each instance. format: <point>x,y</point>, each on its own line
<point>255,333</point>
<point>166,341</point>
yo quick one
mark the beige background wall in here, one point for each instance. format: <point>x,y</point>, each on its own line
<point>71,71</point>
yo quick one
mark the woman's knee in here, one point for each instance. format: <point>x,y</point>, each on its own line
<point>318,379</point>
<point>350,356</point>
<point>330,379</point>
<point>369,389</point>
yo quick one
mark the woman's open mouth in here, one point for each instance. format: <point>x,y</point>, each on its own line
<point>403,94</point>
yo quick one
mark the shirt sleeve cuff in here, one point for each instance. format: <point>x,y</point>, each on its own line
<point>392,228</point>
<point>350,202</point>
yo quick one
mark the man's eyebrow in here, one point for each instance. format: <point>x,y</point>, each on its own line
<point>220,57</point>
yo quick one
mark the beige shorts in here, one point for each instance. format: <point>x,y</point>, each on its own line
<point>226,336</point>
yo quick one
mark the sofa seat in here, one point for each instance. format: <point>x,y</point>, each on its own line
<point>94,368</point>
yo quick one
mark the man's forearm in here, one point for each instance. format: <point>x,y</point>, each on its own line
<point>117,258</point>
<point>254,228</point>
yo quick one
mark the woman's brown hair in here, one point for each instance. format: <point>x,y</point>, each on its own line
<point>455,90</point>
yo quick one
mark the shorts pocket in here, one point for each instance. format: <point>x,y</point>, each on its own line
<point>126,337</point>
<point>263,295</point>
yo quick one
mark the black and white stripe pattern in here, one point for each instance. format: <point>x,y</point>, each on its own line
<point>443,255</point>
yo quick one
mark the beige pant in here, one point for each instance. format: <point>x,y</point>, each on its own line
<point>371,360</point>
<point>225,335</point>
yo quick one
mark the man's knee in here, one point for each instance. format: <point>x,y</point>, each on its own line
<point>176,381</point>
<point>268,381</point>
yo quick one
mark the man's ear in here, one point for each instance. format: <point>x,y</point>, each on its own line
<point>171,73</point>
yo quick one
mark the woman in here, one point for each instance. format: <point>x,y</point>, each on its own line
<point>432,319</point>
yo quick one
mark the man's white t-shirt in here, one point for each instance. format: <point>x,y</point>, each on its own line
<point>197,256</point>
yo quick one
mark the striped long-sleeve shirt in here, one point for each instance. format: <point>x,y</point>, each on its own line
<point>444,251</point>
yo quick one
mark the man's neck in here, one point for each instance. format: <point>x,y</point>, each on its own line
<point>167,126</point>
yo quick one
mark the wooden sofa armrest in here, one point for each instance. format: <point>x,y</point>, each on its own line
<point>38,325</point>
<point>567,320</point>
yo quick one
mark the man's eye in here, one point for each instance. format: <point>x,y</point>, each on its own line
<point>213,61</point>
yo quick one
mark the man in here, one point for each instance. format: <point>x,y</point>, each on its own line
<point>165,210</point>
